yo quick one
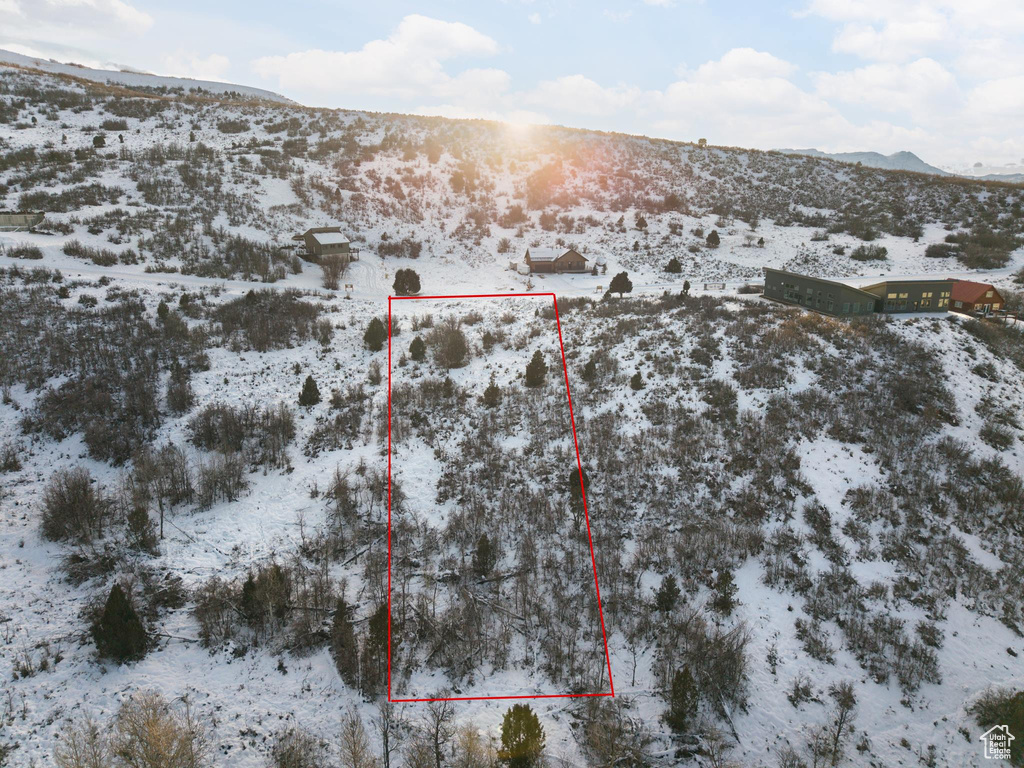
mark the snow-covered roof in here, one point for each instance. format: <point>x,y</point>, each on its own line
<point>330,238</point>
<point>546,254</point>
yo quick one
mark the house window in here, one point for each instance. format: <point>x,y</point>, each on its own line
<point>958,303</point>
<point>926,303</point>
<point>988,295</point>
<point>926,295</point>
<point>830,305</point>
<point>890,296</point>
<point>944,294</point>
<point>904,295</point>
<point>856,307</point>
<point>943,302</point>
<point>846,308</point>
<point>996,305</point>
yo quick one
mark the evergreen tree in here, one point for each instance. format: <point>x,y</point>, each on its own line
<point>99,141</point>
<point>713,240</point>
<point>621,284</point>
<point>162,310</point>
<point>725,593</point>
<point>375,336</point>
<point>522,738</point>
<point>636,382</point>
<point>344,647</point>
<point>248,604</point>
<point>674,267</point>
<point>536,370</point>
<point>682,701</point>
<point>492,395</point>
<point>590,370</point>
<point>576,505</point>
<point>119,633</point>
<point>760,242</point>
<point>686,287</point>
<point>407,282</point>
<point>484,557</point>
<point>667,595</point>
<point>375,652</point>
<point>310,394</point>
<point>418,349</point>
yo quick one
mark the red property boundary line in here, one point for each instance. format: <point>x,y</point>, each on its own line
<point>583,493</point>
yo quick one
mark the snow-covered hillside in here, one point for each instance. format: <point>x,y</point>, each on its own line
<point>144,81</point>
<point>807,531</point>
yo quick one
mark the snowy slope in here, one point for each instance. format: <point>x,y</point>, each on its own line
<point>248,693</point>
<point>134,79</point>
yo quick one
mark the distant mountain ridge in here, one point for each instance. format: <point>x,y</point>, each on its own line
<point>137,79</point>
<point>897,161</point>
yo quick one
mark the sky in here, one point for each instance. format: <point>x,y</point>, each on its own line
<point>941,78</point>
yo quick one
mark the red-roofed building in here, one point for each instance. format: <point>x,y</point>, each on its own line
<point>969,296</point>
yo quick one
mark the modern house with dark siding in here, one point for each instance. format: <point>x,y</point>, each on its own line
<point>912,295</point>
<point>827,296</point>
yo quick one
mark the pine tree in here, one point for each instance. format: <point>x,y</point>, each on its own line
<point>590,370</point>
<point>310,394</point>
<point>686,287</point>
<point>375,336</point>
<point>674,267</point>
<point>344,647</point>
<point>620,284</point>
<point>162,310</point>
<point>522,738</point>
<point>249,604</point>
<point>375,652</point>
<point>536,370</point>
<point>407,282</point>
<point>682,701</point>
<point>119,633</point>
<point>492,395</point>
<point>484,556</point>
<point>725,593</point>
<point>667,595</point>
<point>417,350</point>
<point>636,382</point>
<point>713,240</point>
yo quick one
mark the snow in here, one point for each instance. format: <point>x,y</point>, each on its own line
<point>249,693</point>
<point>330,238</point>
<point>136,79</point>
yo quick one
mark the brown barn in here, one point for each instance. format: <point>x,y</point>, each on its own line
<point>322,241</point>
<point>969,296</point>
<point>555,260</point>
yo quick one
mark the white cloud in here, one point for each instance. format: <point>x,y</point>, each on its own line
<point>616,16</point>
<point>744,63</point>
<point>184,63</point>
<point>922,89</point>
<point>73,16</point>
<point>1001,99</point>
<point>408,64</point>
<point>534,18</point>
<point>581,95</point>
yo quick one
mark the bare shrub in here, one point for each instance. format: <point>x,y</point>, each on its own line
<point>451,350</point>
<point>334,267</point>
<point>297,748</point>
<point>72,508</point>
<point>147,732</point>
